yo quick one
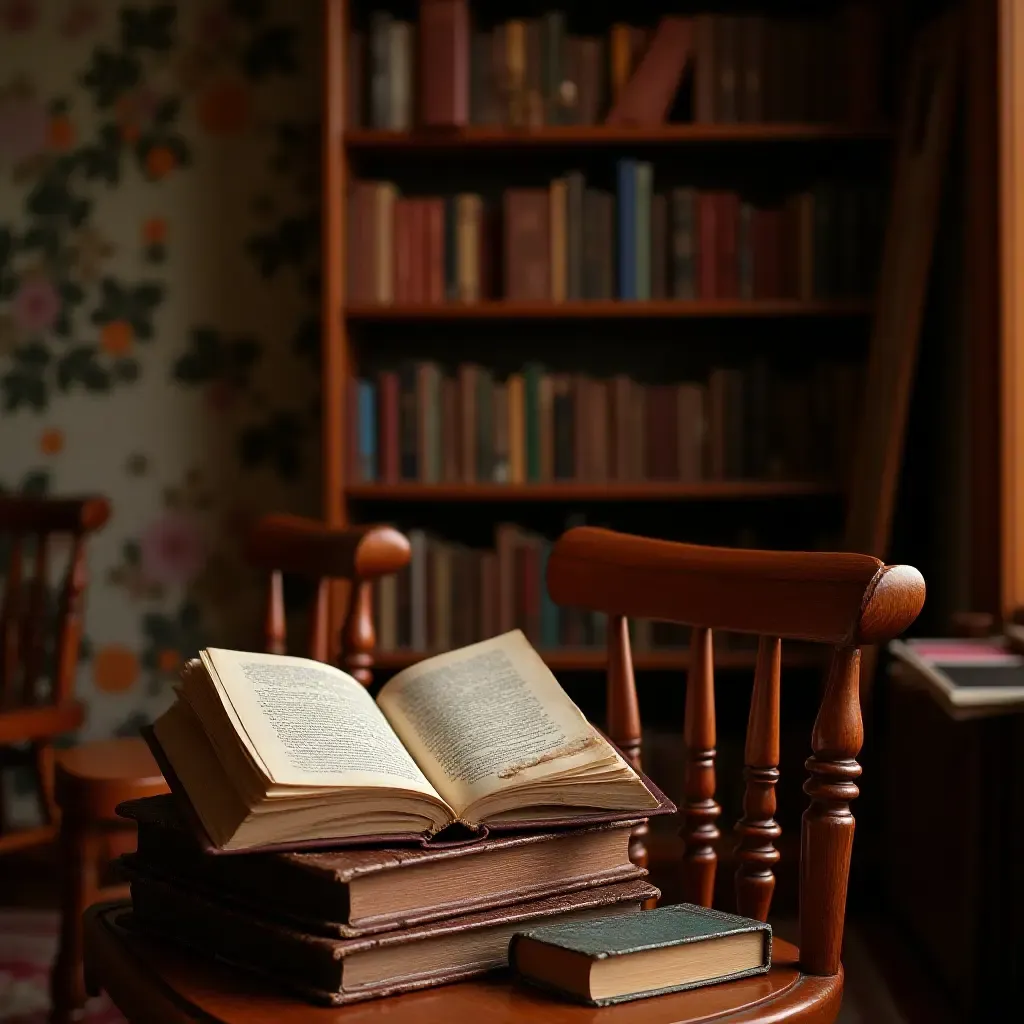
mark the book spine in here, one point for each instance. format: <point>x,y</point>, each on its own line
<point>559,194</point>
<point>643,184</point>
<point>627,229</point>
<point>575,192</point>
<point>380,69</point>
<point>444,60</point>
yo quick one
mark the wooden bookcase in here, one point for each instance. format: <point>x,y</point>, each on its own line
<point>349,327</point>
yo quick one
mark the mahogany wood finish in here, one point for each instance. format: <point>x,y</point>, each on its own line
<point>285,544</point>
<point>152,983</point>
<point>699,811</point>
<point>39,650</point>
<point>844,600</point>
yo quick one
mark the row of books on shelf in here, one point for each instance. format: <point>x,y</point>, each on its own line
<point>419,423</point>
<point>531,72</point>
<point>452,594</point>
<point>571,242</point>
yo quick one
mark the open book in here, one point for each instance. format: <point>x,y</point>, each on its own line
<point>273,750</point>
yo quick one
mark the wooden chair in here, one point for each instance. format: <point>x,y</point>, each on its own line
<point>358,555</point>
<point>844,600</point>
<point>39,640</point>
<point>837,599</point>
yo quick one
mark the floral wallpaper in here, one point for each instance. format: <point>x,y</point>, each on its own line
<point>158,307</point>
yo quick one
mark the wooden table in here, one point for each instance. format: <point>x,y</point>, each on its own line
<point>154,983</point>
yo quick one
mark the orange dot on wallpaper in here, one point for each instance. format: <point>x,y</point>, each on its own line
<point>168,660</point>
<point>115,669</point>
<point>223,107</point>
<point>116,337</point>
<point>61,133</point>
<point>160,161</point>
<point>154,231</point>
<point>51,441</point>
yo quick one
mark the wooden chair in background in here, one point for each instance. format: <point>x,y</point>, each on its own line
<point>843,600</point>
<point>358,555</point>
<point>94,778</point>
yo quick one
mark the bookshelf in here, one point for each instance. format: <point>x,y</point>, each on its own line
<point>373,322</point>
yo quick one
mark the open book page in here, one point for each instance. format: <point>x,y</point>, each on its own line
<point>489,717</point>
<point>311,724</point>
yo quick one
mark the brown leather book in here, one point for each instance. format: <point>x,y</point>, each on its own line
<point>647,96</point>
<point>337,971</point>
<point>444,63</point>
<point>527,245</point>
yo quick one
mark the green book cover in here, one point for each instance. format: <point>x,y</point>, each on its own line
<point>619,935</point>
<point>644,184</point>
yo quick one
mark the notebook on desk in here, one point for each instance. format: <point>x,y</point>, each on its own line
<point>268,752</point>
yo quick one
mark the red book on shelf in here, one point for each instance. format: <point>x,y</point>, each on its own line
<point>444,63</point>
<point>527,245</point>
<point>362,241</point>
<point>404,255</point>
<point>769,254</point>
<point>727,223</point>
<point>707,245</point>
<point>648,94</point>
<point>417,246</point>
<point>434,249</point>
<point>387,438</point>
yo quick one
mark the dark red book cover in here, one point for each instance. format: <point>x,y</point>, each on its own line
<point>404,255</point>
<point>727,223</point>
<point>417,246</point>
<point>707,245</point>
<point>434,251</point>
<point>769,254</point>
<point>444,63</point>
<point>362,239</point>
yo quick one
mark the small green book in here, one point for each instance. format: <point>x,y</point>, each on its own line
<point>648,953</point>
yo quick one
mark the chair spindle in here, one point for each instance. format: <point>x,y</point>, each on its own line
<point>10,615</point>
<point>275,627</point>
<point>70,639</point>
<point>358,638</point>
<point>826,838</point>
<point>757,828</point>
<point>33,625</point>
<point>318,628</point>
<point>624,714</point>
<point>699,808</point>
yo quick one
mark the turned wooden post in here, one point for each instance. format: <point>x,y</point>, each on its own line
<point>357,635</point>
<point>699,808</point>
<point>826,836</point>
<point>624,715</point>
<point>758,829</point>
<point>274,627</point>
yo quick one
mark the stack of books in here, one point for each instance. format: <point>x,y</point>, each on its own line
<point>349,848</point>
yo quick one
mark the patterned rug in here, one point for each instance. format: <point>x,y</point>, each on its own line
<point>28,944</point>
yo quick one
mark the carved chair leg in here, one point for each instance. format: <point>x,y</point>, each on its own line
<point>79,888</point>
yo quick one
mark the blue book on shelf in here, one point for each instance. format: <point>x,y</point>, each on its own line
<point>367,431</point>
<point>627,229</point>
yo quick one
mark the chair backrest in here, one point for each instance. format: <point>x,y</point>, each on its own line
<point>289,544</point>
<point>843,600</point>
<point>40,635</point>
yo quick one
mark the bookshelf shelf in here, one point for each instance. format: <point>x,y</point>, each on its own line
<point>603,310</point>
<point>643,661</point>
<point>705,490</point>
<point>555,137</point>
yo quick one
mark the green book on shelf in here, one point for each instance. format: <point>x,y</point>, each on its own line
<point>651,952</point>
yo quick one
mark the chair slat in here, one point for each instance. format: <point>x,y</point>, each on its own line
<point>69,636</point>
<point>700,811</point>
<point>10,615</point>
<point>758,829</point>
<point>826,837</point>
<point>33,630</point>
<point>275,628</point>
<point>624,714</point>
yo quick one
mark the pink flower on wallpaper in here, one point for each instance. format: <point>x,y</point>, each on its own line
<point>173,549</point>
<point>23,124</point>
<point>36,304</point>
<point>19,15</point>
<point>80,18</point>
